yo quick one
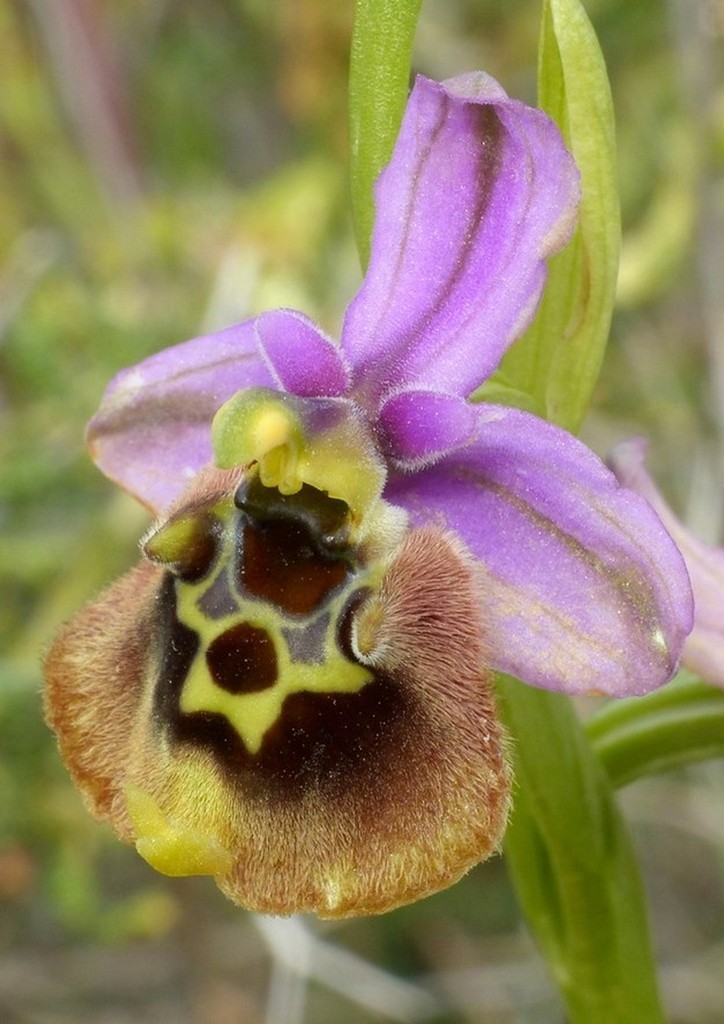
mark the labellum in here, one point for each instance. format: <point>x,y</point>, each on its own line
<point>288,693</point>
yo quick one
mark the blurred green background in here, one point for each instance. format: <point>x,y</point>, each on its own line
<point>168,167</point>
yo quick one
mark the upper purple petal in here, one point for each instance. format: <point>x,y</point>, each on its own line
<point>152,432</point>
<point>582,588</point>
<point>302,360</point>
<point>480,190</point>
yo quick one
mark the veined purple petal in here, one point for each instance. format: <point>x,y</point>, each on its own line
<point>480,190</point>
<point>302,360</point>
<point>583,589</point>
<point>704,647</point>
<point>152,432</point>
<point>419,427</point>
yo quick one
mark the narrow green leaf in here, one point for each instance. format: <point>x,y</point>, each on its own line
<point>498,390</point>
<point>558,359</point>
<point>379,80</point>
<point>678,725</point>
<point>574,868</point>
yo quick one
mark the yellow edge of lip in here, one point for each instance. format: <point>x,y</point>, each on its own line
<point>170,848</point>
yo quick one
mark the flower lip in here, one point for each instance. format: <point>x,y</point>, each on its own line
<point>302,783</point>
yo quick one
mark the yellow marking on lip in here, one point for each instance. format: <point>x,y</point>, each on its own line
<point>251,715</point>
<point>171,847</point>
<point>168,544</point>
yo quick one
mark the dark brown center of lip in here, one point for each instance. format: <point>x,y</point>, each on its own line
<point>243,659</point>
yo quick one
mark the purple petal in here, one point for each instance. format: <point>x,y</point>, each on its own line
<point>302,360</point>
<point>419,427</point>
<point>583,590</point>
<point>479,192</point>
<point>152,433</point>
<point>704,647</point>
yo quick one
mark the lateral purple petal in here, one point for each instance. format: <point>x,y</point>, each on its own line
<point>152,432</point>
<point>583,590</point>
<point>302,360</point>
<point>418,427</point>
<point>480,190</point>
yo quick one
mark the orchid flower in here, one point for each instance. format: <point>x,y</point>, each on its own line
<point>704,647</point>
<point>292,690</point>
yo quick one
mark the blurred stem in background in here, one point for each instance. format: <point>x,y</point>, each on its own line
<point>701,73</point>
<point>92,87</point>
<point>379,81</point>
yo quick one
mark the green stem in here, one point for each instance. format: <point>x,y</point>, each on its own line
<point>675,726</point>
<point>557,361</point>
<point>379,79</point>
<point>574,868</point>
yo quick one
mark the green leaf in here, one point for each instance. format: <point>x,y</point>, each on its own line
<point>573,865</point>
<point>678,725</point>
<point>498,390</point>
<point>558,360</point>
<point>379,79</point>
